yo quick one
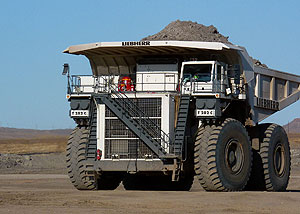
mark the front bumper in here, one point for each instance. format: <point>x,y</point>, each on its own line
<point>128,165</point>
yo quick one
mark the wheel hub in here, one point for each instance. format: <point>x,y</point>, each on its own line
<point>234,156</point>
<point>279,160</point>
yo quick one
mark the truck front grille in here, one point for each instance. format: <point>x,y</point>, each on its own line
<point>121,141</point>
<point>150,106</point>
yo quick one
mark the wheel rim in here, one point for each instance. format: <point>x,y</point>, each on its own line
<point>279,161</point>
<point>234,156</point>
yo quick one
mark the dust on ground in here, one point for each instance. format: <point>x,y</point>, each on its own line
<point>29,193</point>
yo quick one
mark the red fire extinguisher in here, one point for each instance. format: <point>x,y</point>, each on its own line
<point>125,84</point>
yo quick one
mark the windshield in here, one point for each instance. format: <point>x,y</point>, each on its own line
<point>197,72</point>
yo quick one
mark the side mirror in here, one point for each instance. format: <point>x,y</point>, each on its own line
<point>66,69</point>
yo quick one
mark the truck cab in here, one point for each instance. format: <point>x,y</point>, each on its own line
<point>202,77</point>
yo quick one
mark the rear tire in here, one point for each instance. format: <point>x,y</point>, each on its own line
<point>223,156</point>
<point>272,161</point>
<point>275,155</point>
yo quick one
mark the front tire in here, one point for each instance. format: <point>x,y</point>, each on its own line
<point>223,156</point>
<point>76,155</point>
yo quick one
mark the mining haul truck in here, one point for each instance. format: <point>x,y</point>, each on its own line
<point>154,114</point>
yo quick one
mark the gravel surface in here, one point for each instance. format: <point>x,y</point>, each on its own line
<point>192,31</point>
<point>295,157</point>
<point>189,31</point>
<point>55,162</point>
<point>36,193</point>
<point>34,163</point>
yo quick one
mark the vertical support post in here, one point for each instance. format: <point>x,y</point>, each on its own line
<point>257,86</point>
<point>272,89</point>
<point>287,88</point>
<point>101,127</point>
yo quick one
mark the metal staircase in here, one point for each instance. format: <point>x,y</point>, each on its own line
<point>137,121</point>
<point>181,124</point>
<point>92,143</point>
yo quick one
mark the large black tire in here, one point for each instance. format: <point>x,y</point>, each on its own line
<point>223,156</point>
<point>200,149</point>
<point>274,158</point>
<point>76,154</point>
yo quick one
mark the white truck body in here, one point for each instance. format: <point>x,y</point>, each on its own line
<point>265,86</point>
<point>176,109</point>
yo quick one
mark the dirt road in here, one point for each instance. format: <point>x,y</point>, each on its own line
<point>52,193</point>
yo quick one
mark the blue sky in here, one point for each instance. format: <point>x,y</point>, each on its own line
<point>33,35</point>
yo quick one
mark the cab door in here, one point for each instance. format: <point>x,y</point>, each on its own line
<point>186,84</point>
<point>217,87</point>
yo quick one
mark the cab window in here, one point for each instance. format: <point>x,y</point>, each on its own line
<point>198,72</point>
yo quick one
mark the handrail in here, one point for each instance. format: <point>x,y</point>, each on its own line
<point>138,115</point>
<point>137,86</point>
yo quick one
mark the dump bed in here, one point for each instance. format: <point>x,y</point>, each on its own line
<point>268,90</point>
<point>274,90</point>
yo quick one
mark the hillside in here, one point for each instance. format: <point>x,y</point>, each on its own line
<point>293,127</point>
<point>13,133</point>
<point>31,141</point>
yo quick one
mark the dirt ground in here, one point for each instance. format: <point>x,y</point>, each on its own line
<point>53,193</point>
<point>37,183</point>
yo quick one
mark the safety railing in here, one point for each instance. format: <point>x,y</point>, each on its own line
<point>140,82</point>
<point>136,113</point>
<point>91,84</point>
<point>212,86</point>
<point>81,84</point>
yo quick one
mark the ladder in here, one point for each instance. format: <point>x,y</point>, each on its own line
<point>91,149</point>
<point>181,124</point>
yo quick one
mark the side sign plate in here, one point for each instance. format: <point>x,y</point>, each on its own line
<point>79,113</point>
<point>205,113</point>
<point>266,103</point>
